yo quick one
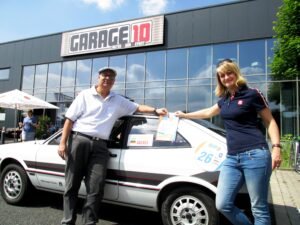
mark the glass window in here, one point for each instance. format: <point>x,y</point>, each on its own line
<point>158,103</point>
<point>203,81</point>
<point>176,67</point>
<point>119,64</point>
<point>136,94</point>
<point>28,79</point>
<point>270,56</point>
<point>146,129</point>
<point>40,81</point>
<point>135,77</point>
<point>155,67</point>
<point>68,81</point>
<point>199,97</point>
<point>155,97</point>
<point>4,74</point>
<point>255,78</point>
<point>53,83</point>
<point>55,141</point>
<point>224,51</point>
<point>273,96</point>
<point>200,62</point>
<point>176,98</point>
<point>98,63</point>
<point>155,93</point>
<point>288,109</point>
<point>252,59</point>
<point>83,74</point>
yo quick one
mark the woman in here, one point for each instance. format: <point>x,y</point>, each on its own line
<point>248,159</point>
<point>29,127</point>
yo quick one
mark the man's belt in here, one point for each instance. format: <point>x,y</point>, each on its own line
<point>87,136</point>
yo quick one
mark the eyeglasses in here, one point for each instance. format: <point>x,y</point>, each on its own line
<point>223,61</point>
<point>108,77</point>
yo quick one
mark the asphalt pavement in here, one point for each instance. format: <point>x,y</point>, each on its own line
<point>285,197</point>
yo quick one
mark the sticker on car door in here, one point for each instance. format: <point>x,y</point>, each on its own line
<point>140,140</point>
<point>210,156</point>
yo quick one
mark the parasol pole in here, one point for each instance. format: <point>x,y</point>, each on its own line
<point>15,133</point>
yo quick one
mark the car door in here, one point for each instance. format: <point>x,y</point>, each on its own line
<point>51,167</point>
<point>146,162</point>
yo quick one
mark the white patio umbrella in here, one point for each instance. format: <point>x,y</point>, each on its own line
<point>19,100</point>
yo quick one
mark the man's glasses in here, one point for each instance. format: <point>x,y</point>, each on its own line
<point>108,77</point>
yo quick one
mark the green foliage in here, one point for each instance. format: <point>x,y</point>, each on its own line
<point>287,141</point>
<point>286,62</point>
<point>42,127</point>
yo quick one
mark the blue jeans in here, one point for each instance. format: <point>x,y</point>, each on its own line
<point>253,168</point>
<point>28,136</point>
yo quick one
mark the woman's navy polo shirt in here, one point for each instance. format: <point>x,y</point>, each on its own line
<point>241,120</point>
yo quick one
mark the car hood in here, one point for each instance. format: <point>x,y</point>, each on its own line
<point>21,150</point>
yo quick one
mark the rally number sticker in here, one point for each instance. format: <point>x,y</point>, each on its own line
<point>210,156</point>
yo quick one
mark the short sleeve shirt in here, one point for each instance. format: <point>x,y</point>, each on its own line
<point>241,120</point>
<point>27,121</point>
<point>95,116</point>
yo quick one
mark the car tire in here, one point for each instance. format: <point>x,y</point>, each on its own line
<point>188,206</point>
<point>15,184</point>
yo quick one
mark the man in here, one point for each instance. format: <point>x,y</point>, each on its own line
<point>89,121</point>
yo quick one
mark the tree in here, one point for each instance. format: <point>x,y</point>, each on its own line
<point>286,62</point>
<point>41,130</point>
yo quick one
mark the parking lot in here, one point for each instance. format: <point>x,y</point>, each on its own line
<point>46,209</point>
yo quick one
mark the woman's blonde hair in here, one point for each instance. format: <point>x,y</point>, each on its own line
<point>228,66</point>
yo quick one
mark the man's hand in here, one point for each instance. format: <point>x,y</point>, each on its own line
<point>62,151</point>
<point>162,111</point>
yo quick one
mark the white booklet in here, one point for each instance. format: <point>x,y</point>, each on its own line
<point>167,128</point>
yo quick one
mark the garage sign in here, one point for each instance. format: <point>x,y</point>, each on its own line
<point>130,34</point>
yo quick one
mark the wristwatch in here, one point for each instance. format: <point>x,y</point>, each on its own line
<point>276,146</point>
<point>155,112</point>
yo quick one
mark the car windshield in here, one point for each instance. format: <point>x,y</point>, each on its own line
<point>211,126</point>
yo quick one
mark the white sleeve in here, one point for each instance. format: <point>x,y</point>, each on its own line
<point>76,108</point>
<point>127,107</point>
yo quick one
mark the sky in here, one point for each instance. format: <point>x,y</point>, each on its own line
<point>20,19</point>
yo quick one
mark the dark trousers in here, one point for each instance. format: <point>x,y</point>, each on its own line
<point>87,159</point>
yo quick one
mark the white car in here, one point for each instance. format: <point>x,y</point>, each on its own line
<point>147,169</point>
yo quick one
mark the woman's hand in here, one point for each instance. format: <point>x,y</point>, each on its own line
<point>180,114</point>
<point>276,158</point>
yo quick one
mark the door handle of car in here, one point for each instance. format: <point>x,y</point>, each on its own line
<point>112,155</point>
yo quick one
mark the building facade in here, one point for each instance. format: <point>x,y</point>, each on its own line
<point>165,61</point>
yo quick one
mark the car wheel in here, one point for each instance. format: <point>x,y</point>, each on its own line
<point>189,206</point>
<point>14,184</point>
